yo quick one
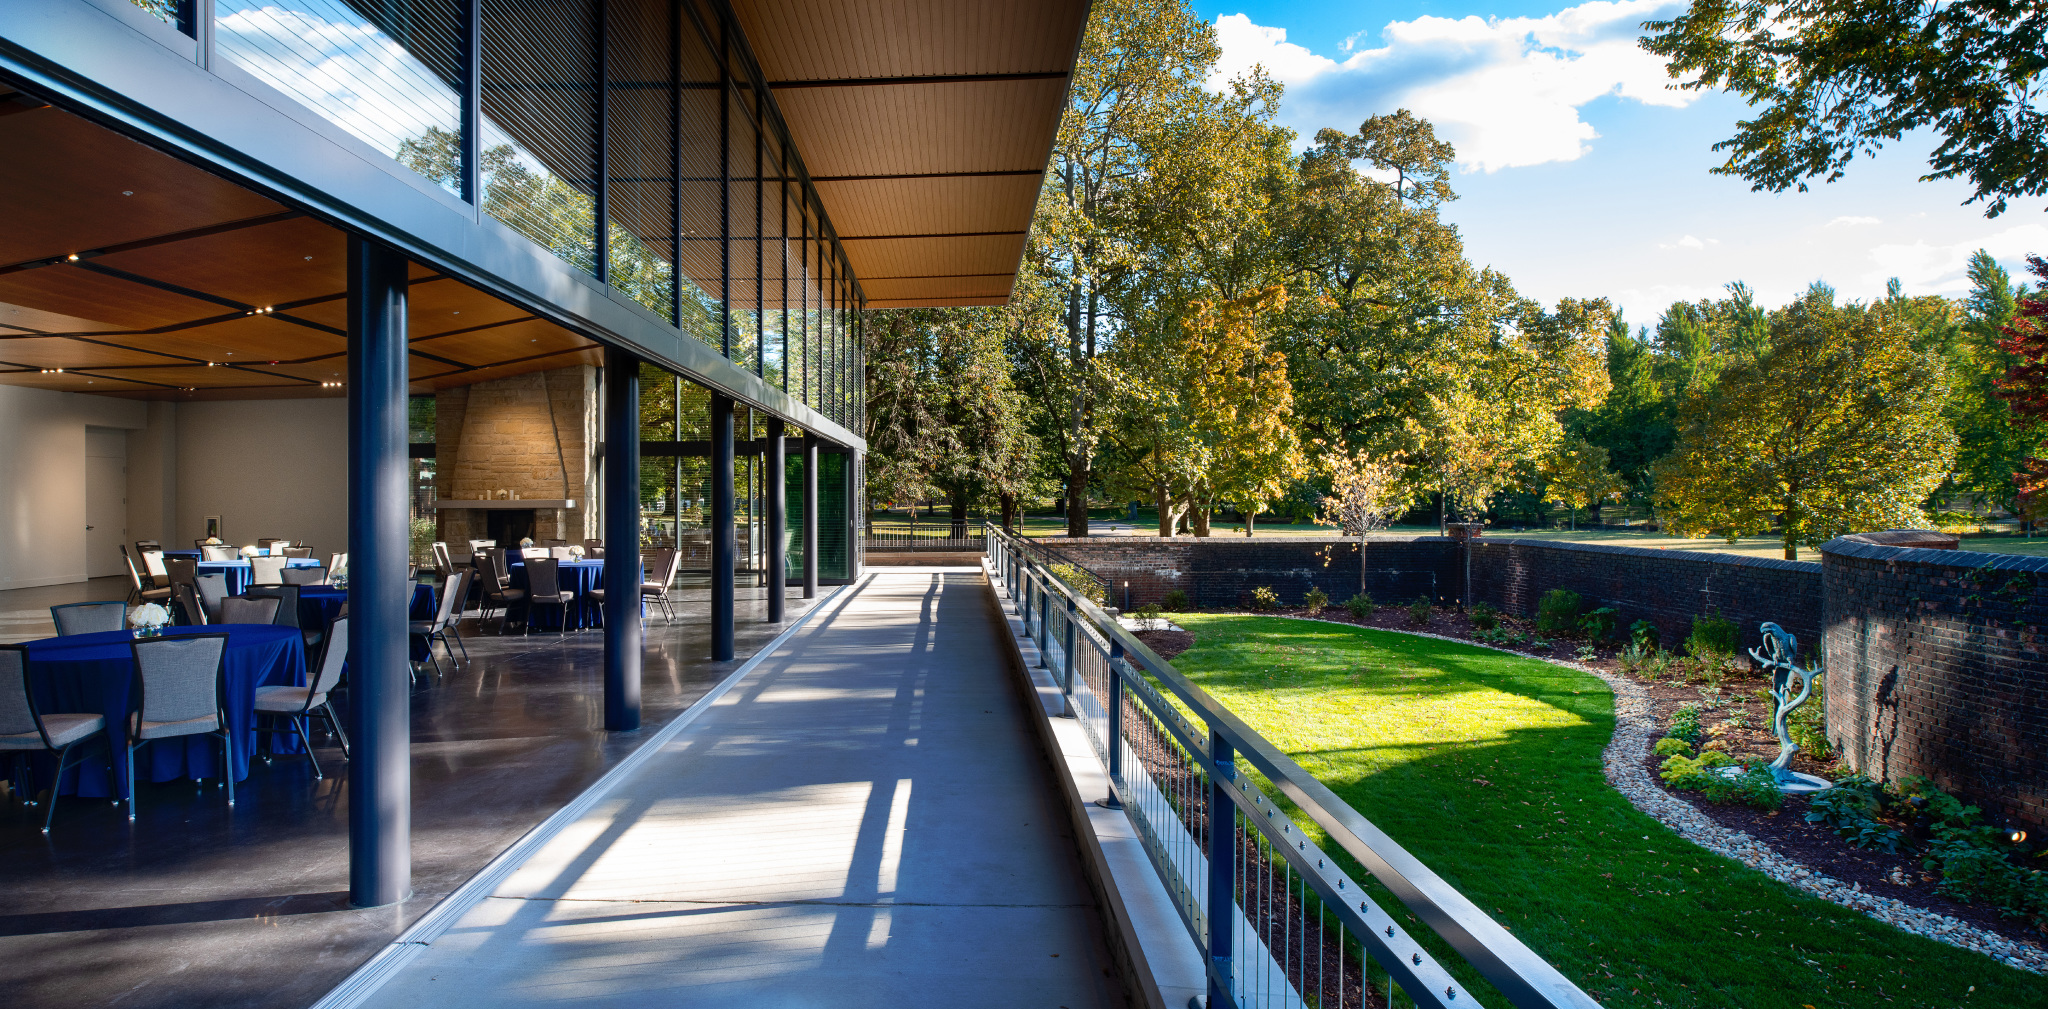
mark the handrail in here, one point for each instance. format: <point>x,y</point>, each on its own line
<point>1523,977</point>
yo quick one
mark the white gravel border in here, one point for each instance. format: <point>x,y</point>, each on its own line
<point>1635,731</point>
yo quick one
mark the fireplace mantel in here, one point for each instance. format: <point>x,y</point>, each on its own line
<point>450,504</point>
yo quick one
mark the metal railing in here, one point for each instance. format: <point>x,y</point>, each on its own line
<point>1279,924</point>
<point>937,536</point>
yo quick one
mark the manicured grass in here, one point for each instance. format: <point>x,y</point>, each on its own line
<point>1487,767</point>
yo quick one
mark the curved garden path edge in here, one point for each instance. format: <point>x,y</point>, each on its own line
<point>1635,732</point>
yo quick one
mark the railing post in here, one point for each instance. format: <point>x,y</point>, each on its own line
<point>1067,674</point>
<point>1116,727</point>
<point>1222,870</point>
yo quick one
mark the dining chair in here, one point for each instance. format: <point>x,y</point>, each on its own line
<point>334,564</point>
<point>437,628</point>
<point>181,570</point>
<point>287,597</point>
<point>266,570</point>
<point>139,592</point>
<point>90,618</point>
<point>495,592</point>
<point>468,576</point>
<point>443,563</point>
<point>544,590</point>
<point>144,546</point>
<point>218,554</point>
<point>529,553</point>
<point>554,543</point>
<point>213,592</point>
<point>304,576</point>
<point>153,566</point>
<point>177,692</point>
<point>476,545</point>
<point>186,599</point>
<point>562,553</point>
<point>266,542</point>
<point>294,553</point>
<point>590,546</point>
<point>25,729</point>
<point>298,704</point>
<point>663,569</point>
<point>244,610</point>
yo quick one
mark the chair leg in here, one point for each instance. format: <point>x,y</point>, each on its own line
<point>63,756</point>
<point>327,712</point>
<point>306,740</point>
<point>131,778</point>
<point>456,629</point>
<point>227,770</point>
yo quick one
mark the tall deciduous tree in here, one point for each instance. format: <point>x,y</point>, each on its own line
<point>1831,79</point>
<point>1836,429</point>
<point>1577,473</point>
<point>2025,384</point>
<point>1992,440</point>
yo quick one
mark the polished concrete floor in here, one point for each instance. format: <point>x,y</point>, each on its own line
<point>197,905</point>
<point>864,820</point>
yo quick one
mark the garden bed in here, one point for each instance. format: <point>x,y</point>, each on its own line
<point>1737,696</point>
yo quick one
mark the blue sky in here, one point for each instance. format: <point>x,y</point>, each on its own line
<point>1581,174</point>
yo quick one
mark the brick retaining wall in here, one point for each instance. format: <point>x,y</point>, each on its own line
<point>1222,570</point>
<point>1666,587</point>
<point>1936,667</point>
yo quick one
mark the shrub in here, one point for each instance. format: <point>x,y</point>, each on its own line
<point>1485,617</point>
<point>1314,600</point>
<point>1635,658</point>
<point>1755,786</point>
<point>1713,637</point>
<point>1685,723</point>
<point>1670,745</point>
<point>1420,609</point>
<point>1361,605</point>
<point>1681,771</point>
<point>1850,807</point>
<point>1148,612</point>
<point>1644,633</point>
<point>1558,612</point>
<point>1600,624</point>
<point>1174,602</point>
<point>1083,584</point>
<point>1264,598</point>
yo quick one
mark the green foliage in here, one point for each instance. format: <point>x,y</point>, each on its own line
<point>1851,808</point>
<point>1149,612</point>
<point>1083,584</point>
<point>1420,609</point>
<point>1681,771</point>
<point>1635,657</point>
<point>1175,601</point>
<point>1807,725</point>
<point>1485,617</point>
<point>1361,605</point>
<point>1558,612</point>
<point>1753,787</point>
<point>1314,600</point>
<point>1673,746</point>
<point>1600,624</point>
<point>1264,598</point>
<point>1713,638</point>
<point>1643,632</point>
<point>1685,724</point>
<point>1835,428</point>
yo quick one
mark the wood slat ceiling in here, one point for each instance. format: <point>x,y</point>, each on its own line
<point>926,125</point>
<point>187,286</point>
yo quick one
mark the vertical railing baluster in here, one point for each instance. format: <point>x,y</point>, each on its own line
<point>1222,861</point>
<point>1067,644</point>
<point>1115,732</point>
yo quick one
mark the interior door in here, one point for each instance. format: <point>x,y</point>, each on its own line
<point>106,501</point>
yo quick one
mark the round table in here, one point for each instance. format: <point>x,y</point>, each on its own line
<point>575,576</point>
<point>237,572</point>
<point>320,604</point>
<point>95,672</point>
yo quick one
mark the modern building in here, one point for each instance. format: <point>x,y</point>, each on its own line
<point>374,273</point>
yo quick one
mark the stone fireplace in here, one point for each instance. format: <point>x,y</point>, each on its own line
<point>529,435</point>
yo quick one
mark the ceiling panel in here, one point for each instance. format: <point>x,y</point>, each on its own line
<point>267,264</point>
<point>244,338</point>
<point>503,343</point>
<point>72,290</point>
<point>61,352</point>
<point>902,129</point>
<point>834,39</point>
<point>927,257</point>
<point>930,206</point>
<point>926,289</point>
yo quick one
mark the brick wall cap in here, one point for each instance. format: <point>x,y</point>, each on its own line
<point>1924,539</point>
<point>1845,546</point>
<point>1695,556</point>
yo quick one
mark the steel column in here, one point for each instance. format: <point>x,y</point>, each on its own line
<point>471,84</point>
<point>379,695</point>
<point>622,577</point>
<point>724,544</point>
<point>1222,869</point>
<point>810,516</point>
<point>778,521</point>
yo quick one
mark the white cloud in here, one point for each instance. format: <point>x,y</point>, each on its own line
<point>1850,222</point>
<point>1505,91</point>
<point>1929,268</point>
<point>1689,242</point>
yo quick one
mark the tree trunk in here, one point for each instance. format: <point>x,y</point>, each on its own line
<point>1198,517</point>
<point>1167,515</point>
<point>1250,514</point>
<point>1008,504</point>
<point>959,512</point>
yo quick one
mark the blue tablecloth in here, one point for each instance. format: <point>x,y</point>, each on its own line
<point>94,673</point>
<point>575,576</point>
<point>237,572</point>
<point>320,604</point>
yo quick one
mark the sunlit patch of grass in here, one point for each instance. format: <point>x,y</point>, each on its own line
<point>1487,766</point>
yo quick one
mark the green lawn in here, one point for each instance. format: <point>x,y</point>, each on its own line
<point>1487,767</point>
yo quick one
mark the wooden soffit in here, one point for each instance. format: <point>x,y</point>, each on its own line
<point>926,126</point>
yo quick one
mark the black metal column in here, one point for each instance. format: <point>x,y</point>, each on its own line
<point>622,641</point>
<point>379,701</point>
<point>810,517</point>
<point>778,521</point>
<point>724,545</point>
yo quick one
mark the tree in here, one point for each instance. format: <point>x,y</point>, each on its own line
<point>1993,441</point>
<point>1834,78</point>
<point>2025,385</point>
<point>1577,473</point>
<point>1365,494</point>
<point>1836,428</point>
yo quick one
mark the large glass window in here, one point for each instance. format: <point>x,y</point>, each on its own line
<point>540,122</point>
<point>640,166</point>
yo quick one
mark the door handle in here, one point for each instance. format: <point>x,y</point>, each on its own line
<point>88,529</point>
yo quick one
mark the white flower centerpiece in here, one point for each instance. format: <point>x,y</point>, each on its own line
<point>149,620</point>
<point>576,552</point>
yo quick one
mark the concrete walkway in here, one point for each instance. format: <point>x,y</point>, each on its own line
<point>863,821</point>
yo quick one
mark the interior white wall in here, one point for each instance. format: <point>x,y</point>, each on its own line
<point>42,480</point>
<point>153,476</point>
<point>276,467</point>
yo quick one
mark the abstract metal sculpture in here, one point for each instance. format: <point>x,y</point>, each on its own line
<point>1780,651</point>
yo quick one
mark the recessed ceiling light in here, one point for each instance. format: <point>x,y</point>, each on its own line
<point>73,258</point>
<point>309,259</point>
